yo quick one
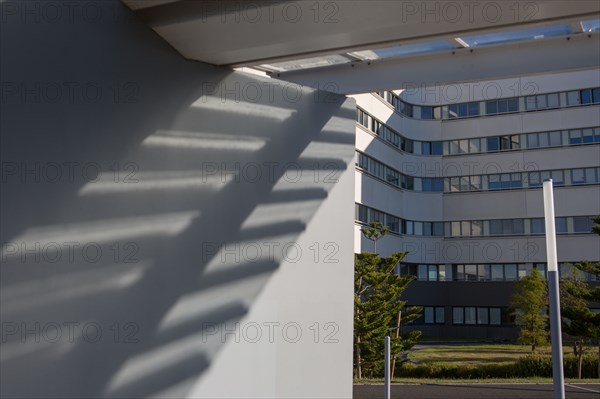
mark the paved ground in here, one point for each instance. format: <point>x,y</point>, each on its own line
<point>476,391</point>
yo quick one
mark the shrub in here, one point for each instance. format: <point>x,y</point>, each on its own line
<point>533,365</point>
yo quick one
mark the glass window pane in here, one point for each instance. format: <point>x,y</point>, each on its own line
<point>530,103</point>
<point>537,226</point>
<point>439,315</point>
<point>544,140</point>
<point>560,225</point>
<point>573,98</point>
<point>553,100</point>
<point>495,316</point>
<point>428,312</point>
<point>474,145</point>
<point>482,316</point>
<point>510,272</point>
<point>555,138</point>
<point>457,315</point>
<point>466,228</point>
<point>513,104</point>
<point>496,227</point>
<point>459,272</point>
<point>422,273</point>
<point>518,226</point>
<point>532,140</point>
<point>577,176</point>
<point>483,272</point>
<point>464,146</point>
<point>491,107</point>
<point>436,148</point>
<point>575,136</point>
<point>497,272</point>
<point>586,96</point>
<point>558,177</point>
<point>541,101</point>
<point>455,232</point>
<point>582,224</point>
<point>534,179</point>
<point>473,108</point>
<point>493,144</point>
<point>432,273</point>
<point>470,315</point>
<point>590,175</point>
<point>471,272</point>
<point>588,135</point>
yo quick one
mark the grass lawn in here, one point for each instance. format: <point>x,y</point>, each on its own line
<point>473,355</point>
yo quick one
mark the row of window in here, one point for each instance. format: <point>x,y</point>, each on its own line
<point>524,141</point>
<point>509,227</point>
<point>488,271</point>
<point>494,107</point>
<point>476,315</point>
<point>519,180</point>
<point>473,228</point>
<point>491,316</point>
<point>490,182</point>
<point>391,136</point>
<point>477,145</point>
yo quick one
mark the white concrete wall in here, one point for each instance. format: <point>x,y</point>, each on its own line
<point>174,235</point>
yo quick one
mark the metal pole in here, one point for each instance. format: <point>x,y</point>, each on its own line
<point>387,367</point>
<point>553,293</point>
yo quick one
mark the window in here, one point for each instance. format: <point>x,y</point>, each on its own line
<point>436,148</point>
<point>493,144</point>
<point>575,137</point>
<point>497,272</point>
<point>510,272</point>
<point>587,136</point>
<point>577,176</point>
<point>542,101</point>
<point>433,314</point>
<point>463,110</point>
<point>470,315</point>
<point>482,316</point>
<point>582,224</point>
<point>555,138</point>
<point>458,315</point>
<point>573,98</point>
<point>426,112</point>
<point>502,106</point>
<point>560,225</point>
<point>537,226</point>
<point>495,316</point>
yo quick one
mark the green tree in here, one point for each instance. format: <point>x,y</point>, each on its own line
<point>530,301</point>
<point>578,320</point>
<point>377,304</point>
<point>375,231</point>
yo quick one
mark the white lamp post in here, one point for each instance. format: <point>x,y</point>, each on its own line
<point>553,292</point>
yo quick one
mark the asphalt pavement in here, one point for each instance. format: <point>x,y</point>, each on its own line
<point>475,391</point>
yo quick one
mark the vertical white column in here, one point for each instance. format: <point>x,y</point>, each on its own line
<point>387,367</point>
<point>553,292</point>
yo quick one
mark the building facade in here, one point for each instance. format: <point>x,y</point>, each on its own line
<point>455,171</point>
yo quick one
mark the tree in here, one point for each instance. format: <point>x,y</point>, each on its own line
<point>375,231</point>
<point>578,320</point>
<point>377,303</point>
<point>531,302</point>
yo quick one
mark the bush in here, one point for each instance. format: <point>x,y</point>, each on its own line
<point>527,366</point>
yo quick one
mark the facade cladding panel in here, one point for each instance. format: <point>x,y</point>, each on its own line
<point>458,181</point>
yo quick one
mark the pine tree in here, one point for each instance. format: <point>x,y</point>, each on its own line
<point>378,307</point>
<point>531,302</point>
<point>578,320</point>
